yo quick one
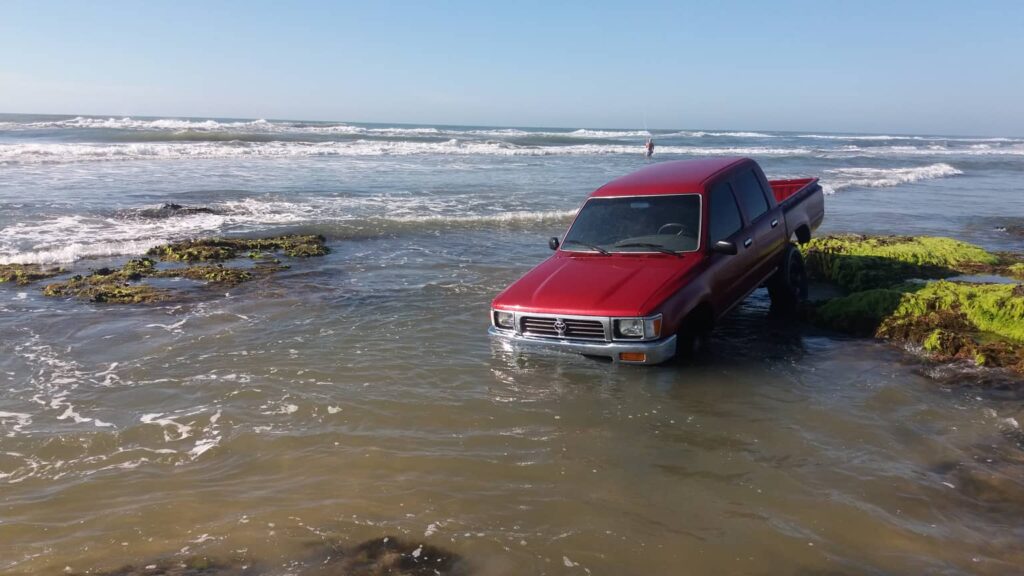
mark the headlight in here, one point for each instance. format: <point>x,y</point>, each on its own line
<point>506,320</point>
<point>629,327</point>
<point>647,328</point>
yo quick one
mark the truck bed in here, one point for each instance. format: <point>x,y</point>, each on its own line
<point>802,203</point>
<point>785,189</point>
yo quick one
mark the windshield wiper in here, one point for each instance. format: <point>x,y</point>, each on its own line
<point>651,245</point>
<point>591,246</point>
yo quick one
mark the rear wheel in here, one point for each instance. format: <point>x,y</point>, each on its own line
<point>788,286</point>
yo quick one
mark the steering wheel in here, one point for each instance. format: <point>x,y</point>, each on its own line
<point>684,230</point>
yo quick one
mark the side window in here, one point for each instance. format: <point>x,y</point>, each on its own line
<point>725,215</point>
<point>750,194</point>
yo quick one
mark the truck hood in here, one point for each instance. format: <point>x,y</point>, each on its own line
<point>598,285</point>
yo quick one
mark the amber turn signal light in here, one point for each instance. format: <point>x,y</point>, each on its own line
<point>632,356</point>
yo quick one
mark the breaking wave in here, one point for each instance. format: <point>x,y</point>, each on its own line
<point>886,138</point>
<point>701,134</point>
<point>267,126</point>
<point>67,239</point>
<point>64,152</point>
<point>835,179</point>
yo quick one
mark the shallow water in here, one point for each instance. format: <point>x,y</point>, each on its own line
<point>357,395</point>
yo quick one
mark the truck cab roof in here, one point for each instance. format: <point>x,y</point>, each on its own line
<point>676,177</point>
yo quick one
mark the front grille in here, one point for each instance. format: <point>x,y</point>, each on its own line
<point>574,328</point>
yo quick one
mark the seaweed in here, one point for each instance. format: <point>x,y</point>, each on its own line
<point>222,249</point>
<point>211,274</point>
<point>112,287</point>
<point>125,285</point>
<point>857,262</point>
<point>947,320</point>
<point>22,274</point>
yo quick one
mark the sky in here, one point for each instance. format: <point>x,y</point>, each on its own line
<point>920,67</point>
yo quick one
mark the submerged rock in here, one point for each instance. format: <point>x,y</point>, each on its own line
<point>192,566</point>
<point>221,249</point>
<point>169,210</point>
<point>978,321</point>
<point>378,557</point>
<point>126,285</point>
<point>113,287</point>
<point>22,274</point>
<point>391,556</point>
<point>211,274</point>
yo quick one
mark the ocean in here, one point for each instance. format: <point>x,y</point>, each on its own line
<point>357,395</point>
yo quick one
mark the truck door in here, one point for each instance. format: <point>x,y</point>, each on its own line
<point>765,233</point>
<point>725,222</point>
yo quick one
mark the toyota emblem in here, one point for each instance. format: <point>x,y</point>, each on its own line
<point>559,326</point>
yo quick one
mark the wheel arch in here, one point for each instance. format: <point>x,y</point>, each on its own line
<point>803,234</point>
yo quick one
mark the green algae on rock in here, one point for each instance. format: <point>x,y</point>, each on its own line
<point>857,262</point>
<point>123,285</point>
<point>982,322</point>
<point>22,274</point>
<point>221,249</point>
<point>212,274</point>
<point>113,288</point>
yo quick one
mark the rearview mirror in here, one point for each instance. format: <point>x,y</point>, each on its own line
<point>553,243</point>
<point>724,247</point>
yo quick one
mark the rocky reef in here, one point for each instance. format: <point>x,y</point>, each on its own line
<point>131,283</point>
<point>222,249</point>
<point>913,290</point>
<point>22,274</point>
<point>378,557</point>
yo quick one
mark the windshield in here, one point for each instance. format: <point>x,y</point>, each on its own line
<point>637,224</point>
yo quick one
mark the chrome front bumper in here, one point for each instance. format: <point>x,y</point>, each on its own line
<point>657,351</point>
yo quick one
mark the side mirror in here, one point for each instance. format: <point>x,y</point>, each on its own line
<point>553,243</point>
<point>724,247</point>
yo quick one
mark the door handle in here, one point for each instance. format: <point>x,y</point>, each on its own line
<point>748,242</point>
<point>775,223</point>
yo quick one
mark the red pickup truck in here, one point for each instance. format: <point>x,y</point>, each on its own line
<point>653,259</point>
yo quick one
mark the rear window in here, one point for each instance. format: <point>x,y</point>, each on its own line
<point>750,194</point>
<point>725,215</point>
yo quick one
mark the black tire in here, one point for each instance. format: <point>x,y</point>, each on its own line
<point>692,339</point>
<point>788,286</point>
<point>691,345</point>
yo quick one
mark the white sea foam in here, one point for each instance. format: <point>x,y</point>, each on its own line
<point>933,150</point>
<point>128,123</point>
<point>701,134</point>
<point>584,133</point>
<point>182,430</point>
<point>44,153</point>
<point>54,379</point>
<point>498,218</point>
<point>66,239</point>
<point>64,152</point>
<point>281,127</point>
<point>14,422</point>
<point>835,179</point>
<point>888,137</point>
